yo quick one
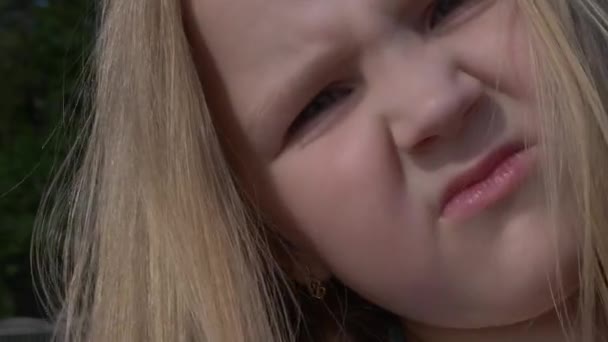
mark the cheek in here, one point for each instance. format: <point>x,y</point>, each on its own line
<point>346,195</point>
<point>500,54</point>
<point>337,180</point>
<point>517,69</point>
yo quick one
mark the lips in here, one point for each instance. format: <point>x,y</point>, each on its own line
<point>493,178</point>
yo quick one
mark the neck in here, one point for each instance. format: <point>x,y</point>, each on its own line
<point>546,328</point>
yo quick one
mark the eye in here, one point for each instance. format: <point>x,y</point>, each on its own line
<point>441,9</point>
<point>319,105</point>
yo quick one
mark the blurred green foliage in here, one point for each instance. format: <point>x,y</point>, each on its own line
<point>43,48</point>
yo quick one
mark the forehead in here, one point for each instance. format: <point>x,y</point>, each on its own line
<point>252,42</point>
<point>262,24</point>
<point>244,33</point>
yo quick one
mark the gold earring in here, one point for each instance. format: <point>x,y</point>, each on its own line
<point>316,289</point>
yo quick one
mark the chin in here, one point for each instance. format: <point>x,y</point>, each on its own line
<point>520,311</point>
<point>525,313</point>
<point>515,279</point>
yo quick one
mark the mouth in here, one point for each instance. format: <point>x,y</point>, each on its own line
<point>495,177</point>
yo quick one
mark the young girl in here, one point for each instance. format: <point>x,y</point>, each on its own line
<point>338,170</point>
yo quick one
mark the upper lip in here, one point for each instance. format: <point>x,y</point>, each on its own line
<point>480,170</point>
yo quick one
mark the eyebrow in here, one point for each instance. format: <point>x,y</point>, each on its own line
<point>328,62</point>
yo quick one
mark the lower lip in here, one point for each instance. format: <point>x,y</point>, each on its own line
<point>504,180</point>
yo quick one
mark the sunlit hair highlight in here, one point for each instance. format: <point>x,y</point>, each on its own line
<point>156,244</point>
<point>570,47</point>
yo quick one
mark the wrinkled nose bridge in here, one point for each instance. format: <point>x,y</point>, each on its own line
<point>427,98</point>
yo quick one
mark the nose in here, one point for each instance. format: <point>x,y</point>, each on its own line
<point>431,97</point>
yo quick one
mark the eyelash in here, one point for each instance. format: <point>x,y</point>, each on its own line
<point>439,6</point>
<point>334,94</point>
<point>324,101</point>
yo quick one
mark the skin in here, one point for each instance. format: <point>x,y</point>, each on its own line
<point>358,188</point>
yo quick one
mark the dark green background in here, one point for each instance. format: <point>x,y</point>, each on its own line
<point>44,45</point>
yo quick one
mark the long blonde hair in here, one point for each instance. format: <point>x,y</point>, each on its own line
<point>571,46</point>
<point>147,237</point>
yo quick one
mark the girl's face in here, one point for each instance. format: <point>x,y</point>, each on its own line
<point>395,142</point>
